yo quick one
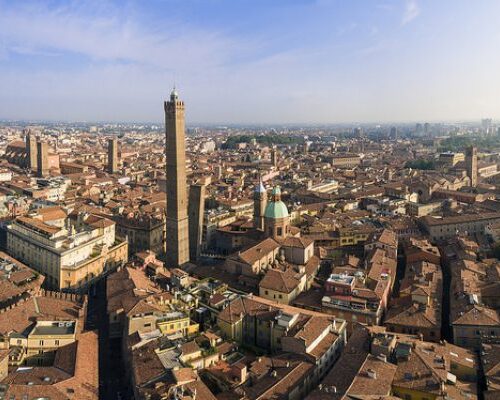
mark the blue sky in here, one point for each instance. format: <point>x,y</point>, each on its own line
<point>259,61</point>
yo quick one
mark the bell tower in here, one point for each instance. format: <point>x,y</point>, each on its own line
<point>259,205</point>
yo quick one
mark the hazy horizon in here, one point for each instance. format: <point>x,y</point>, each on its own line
<point>310,62</point>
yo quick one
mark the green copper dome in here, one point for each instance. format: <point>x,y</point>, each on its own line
<point>276,191</point>
<point>276,209</point>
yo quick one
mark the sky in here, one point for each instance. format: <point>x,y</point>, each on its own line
<point>251,61</point>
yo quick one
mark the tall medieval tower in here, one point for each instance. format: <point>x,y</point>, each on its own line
<point>177,206</point>
<point>42,152</point>
<point>471,164</point>
<point>112,155</point>
<point>31,150</point>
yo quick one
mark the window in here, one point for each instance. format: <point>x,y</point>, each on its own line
<point>56,342</point>
<point>280,231</point>
<point>41,342</point>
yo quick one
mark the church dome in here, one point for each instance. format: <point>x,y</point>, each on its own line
<point>276,209</point>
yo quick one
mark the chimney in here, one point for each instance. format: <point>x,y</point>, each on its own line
<point>372,374</point>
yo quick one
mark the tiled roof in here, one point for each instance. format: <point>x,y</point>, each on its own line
<point>260,250</point>
<point>281,281</point>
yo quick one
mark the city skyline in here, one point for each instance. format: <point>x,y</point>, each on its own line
<point>288,62</point>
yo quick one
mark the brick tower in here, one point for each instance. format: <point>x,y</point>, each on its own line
<point>112,155</point>
<point>177,205</point>
<point>42,150</point>
<point>31,150</point>
<point>471,164</point>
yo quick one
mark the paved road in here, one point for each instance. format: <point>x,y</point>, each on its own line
<point>112,382</point>
<point>446,331</point>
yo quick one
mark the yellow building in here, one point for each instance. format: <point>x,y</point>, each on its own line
<point>46,337</point>
<point>39,345</point>
<point>70,253</point>
<point>177,322</point>
<point>283,286</point>
<point>159,312</point>
<point>354,235</point>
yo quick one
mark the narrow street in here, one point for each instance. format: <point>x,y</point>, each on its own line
<point>112,379</point>
<point>446,332</point>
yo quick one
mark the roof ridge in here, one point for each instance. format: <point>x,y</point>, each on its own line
<point>427,365</point>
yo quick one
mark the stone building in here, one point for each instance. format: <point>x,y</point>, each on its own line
<point>70,253</point>
<point>144,231</point>
<point>466,224</point>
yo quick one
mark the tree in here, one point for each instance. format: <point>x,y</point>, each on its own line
<point>420,164</point>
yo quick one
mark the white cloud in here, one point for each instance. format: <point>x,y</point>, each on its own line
<point>412,11</point>
<point>84,62</point>
<point>115,38</point>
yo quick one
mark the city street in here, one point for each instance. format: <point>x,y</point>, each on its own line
<point>112,381</point>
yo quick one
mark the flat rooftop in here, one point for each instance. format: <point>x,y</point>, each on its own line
<point>54,328</point>
<point>341,278</point>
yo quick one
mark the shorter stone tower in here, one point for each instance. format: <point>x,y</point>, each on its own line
<point>112,155</point>
<point>42,159</point>
<point>259,205</point>
<point>31,150</point>
<point>471,164</point>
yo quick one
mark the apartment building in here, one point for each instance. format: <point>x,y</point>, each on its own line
<point>143,231</point>
<point>445,227</point>
<point>136,304</point>
<point>33,329</point>
<point>418,308</point>
<point>474,293</point>
<point>379,364</point>
<point>267,325</point>
<point>70,253</point>
<point>344,160</point>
